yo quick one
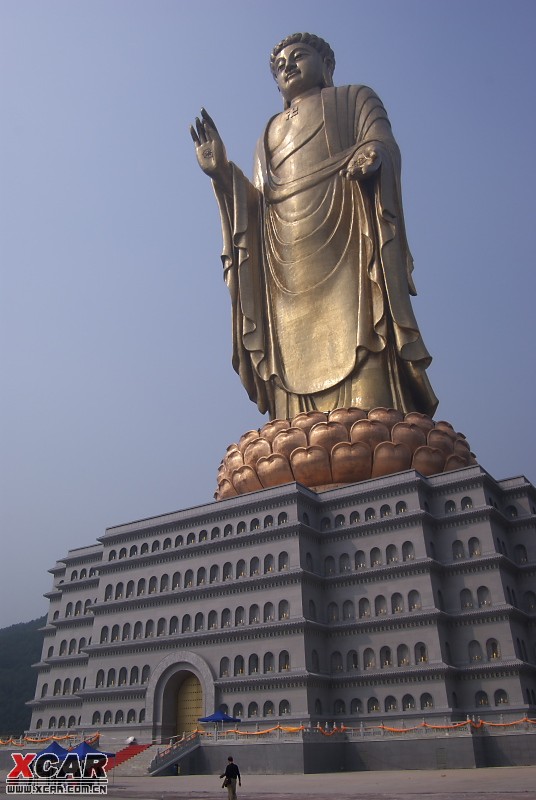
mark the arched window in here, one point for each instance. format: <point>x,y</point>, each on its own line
<point>421,653</point>
<point>450,507</point>
<point>268,662</point>
<point>110,681</point>
<point>386,659</point>
<point>67,686</point>
<point>475,651</point>
<point>391,554</point>
<point>39,724</point>
<point>284,708</point>
<point>253,664</point>
<point>339,707</point>
<point>44,689</point>
<point>354,517</point>
<point>385,511</point>
<point>201,576</point>
<point>141,716</point>
<point>190,539</point>
<point>144,548</point>
<point>107,718</point>
<point>329,566</point>
<point>402,655</point>
<point>339,521</point>
<point>203,536</point>
<point>474,547</point>
<point>130,589</point>
<point>511,511</point>
<point>226,618</point>
<point>123,677</point>
<point>227,571</point>
<point>186,624</point>
<point>333,612</point>
<point>397,603</point>
<point>373,705</point>
<point>369,658</point>
<point>112,556</point>
<point>134,676</point>
<point>149,629</point>
<point>224,667</point>
<point>115,633</point>
<point>318,706</point>
<point>375,557</point>
<point>360,560</point>
<point>401,507</point>
<point>520,554</point>
<point>493,651</point>
<point>370,514</point>
<point>284,660</point>
<point>282,519</point>
<point>315,661</point>
<point>427,701</point>
<point>269,613</point>
<point>241,569</point>
<point>188,579</point>
<point>164,583</point>
<point>123,552</point>
<point>238,665</point>
<point>283,610</point>
<point>214,573</point>
<point>254,614</point>
<point>344,563</point>
<point>141,587</point>
<point>466,503</point>
<point>325,524</point>
<point>131,715</point>
<point>458,550</point>
<point>161,627</point>
<point>466,599</point>
<point>138,630</point>
<point>240,616</point>
<point>414,600</point>
<point>215,533</point>
<point>380,605</point>
<point>390,703</point>
<point>238,710</point>
<point>103,636</point>
<point>254,525</point>
<point>408,702</point>
<point>268,709</point>
<point>351,660</point>
<point>500,698</point>
<point>348,610</point>
<point>408,551</point>
<point>212,620</point>
<point>155,546</point>
<point>335,663</point>
<point>108,593</point>
<point>95,720</point>
<point>228,530</point>
<point>483,595</point>
<point>254,566</point>
<point>356,706</point>
<point>179,541</point>
<point>282,561</point>
<point>167,544</point>
<point>481,699</point>
<point>268,564</point>
<point>253,710</point>
<point>78,608</point>
<point>364,608</point>
<point>529,599</point>
<point>145,674</point>
<point>133,551</point>
<point>241,527</point>
<point>268,521</point>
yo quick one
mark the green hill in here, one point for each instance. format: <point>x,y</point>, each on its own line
<point>20,647</point>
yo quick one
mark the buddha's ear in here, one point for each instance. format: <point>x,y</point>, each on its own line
<point>327,71</point>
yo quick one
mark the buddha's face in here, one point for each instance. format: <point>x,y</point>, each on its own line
<point>298,68</point>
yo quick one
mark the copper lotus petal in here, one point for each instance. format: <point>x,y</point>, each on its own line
<point>271,429</point>
<point>346,416</point>
<point>351,462</point>
<point>328,434</point>
<point>287,441</point>
<point>442,440</point>
<point>461,447</point>
<point>254,451</point>
<point>369,431</point>
<point>389,458</point>
<point>310,466</point>
<point>428,460</point>
<point>307,419</point>
<point>233,460</point>
<point>246,438</point>
<point>389,416</point>
<point>442,425</point>
<point>225,489</point>
<point>422,421</point>
<point>273,470</point>
<point>455,462</point>
<point>410,434</point>
<point>245,480</point>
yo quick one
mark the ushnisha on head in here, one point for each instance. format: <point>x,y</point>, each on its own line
<point>302,63</point>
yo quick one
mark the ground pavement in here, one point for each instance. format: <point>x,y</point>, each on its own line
<point>501,783</point>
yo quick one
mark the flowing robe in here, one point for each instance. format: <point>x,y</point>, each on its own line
<point>318,266</point>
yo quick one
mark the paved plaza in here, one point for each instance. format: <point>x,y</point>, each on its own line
<point>501,783</point>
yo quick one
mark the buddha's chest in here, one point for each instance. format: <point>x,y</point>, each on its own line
<point>297,133</point>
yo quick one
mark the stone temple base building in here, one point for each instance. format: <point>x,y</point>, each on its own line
<point>393,600</point>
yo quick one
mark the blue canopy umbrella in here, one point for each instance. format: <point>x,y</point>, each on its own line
<point>84,748</point>
<point>55,749</point>
<point>219,716</point>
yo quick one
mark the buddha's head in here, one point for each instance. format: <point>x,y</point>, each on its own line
<point>301,62</point>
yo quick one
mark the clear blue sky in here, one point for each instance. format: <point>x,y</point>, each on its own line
<point>118,398</point>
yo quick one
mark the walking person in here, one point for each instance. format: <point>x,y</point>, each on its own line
<point>231,775</point>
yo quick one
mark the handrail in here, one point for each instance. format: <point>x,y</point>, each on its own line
<point>174,751</point>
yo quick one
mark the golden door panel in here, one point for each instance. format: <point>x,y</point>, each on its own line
<point>189,705</point>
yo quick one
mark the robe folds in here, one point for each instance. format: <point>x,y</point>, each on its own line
<point>319,270</point>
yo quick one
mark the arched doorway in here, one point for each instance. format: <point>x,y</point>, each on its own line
<point>182,703</point>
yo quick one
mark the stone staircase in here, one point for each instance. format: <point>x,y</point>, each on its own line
<point>133,761</point>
